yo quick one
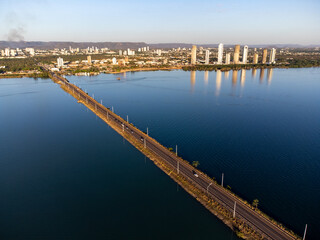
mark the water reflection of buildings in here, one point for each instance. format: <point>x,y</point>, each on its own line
<point>242,77</point>
<point>192,79</point>
<point>254,73</point>
<point>226,74</point>
<point>206,77</point>
<point>234,77</point>
<point>218,82</point>
<point>261,75</point>
<point>269,76</point>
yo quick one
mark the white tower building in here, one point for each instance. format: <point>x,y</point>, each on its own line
<point>194,55</point>
<point>220,53</point>
<point>272,58</point>
<point>7,52</point>
<point>245,55</point>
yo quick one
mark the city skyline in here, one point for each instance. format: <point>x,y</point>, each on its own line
<point>154,22</point>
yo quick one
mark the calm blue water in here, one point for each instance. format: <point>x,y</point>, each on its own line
<point>260,128</point>
<point>64,174</point>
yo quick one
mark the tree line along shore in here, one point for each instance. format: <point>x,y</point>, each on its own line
<point>28,67</point>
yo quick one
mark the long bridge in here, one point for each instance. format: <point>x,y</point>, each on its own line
<point>237,207</point>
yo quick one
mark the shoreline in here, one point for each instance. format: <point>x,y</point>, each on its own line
<point>210,68</point>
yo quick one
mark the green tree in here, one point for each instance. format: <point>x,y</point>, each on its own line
<point>195,163</point>
<point>255,203</point>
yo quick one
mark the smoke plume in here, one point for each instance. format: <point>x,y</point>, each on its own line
<point>16,34</point>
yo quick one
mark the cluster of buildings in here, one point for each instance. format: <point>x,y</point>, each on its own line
<point>89,62</point>
<point>130,52</point>
<point>236,56</point>
<point>178,56</point>
<point>27,52</point>
<point>16,52</point>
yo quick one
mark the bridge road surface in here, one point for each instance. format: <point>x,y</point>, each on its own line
<point>216,192</point>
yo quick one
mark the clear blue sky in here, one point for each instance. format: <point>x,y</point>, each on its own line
<point>202,21</point>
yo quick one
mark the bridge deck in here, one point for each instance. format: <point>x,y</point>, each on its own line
<point>258,222</point>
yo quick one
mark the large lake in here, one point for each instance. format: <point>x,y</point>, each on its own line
<point>64,174</point>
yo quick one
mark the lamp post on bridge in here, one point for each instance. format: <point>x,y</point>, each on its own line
<point>222,179</point>
<point>176,150</point>
<point>234,209</point>
<point>305,232</point>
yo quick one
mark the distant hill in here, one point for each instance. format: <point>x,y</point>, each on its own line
<point>81,45</point>
<point>132,45</point>
<point>189,45</point>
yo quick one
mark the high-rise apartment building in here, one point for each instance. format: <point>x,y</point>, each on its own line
<point>7,52</point>
<point>30,51</point>
<point>255,58</point>
<point>89,59</point>
<point>220,53</point>
<point>13,52</point>
<point>60,62</point>
<point>207,57</point>
<point>264,56</point>
<point>272,58</point>
<point>194,54</point>
<point>130,52</point>
<point>245,54</point>
<point>236,54</point>
<point>227,58</point>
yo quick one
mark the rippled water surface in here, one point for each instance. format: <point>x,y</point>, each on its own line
<point>66,173</point>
